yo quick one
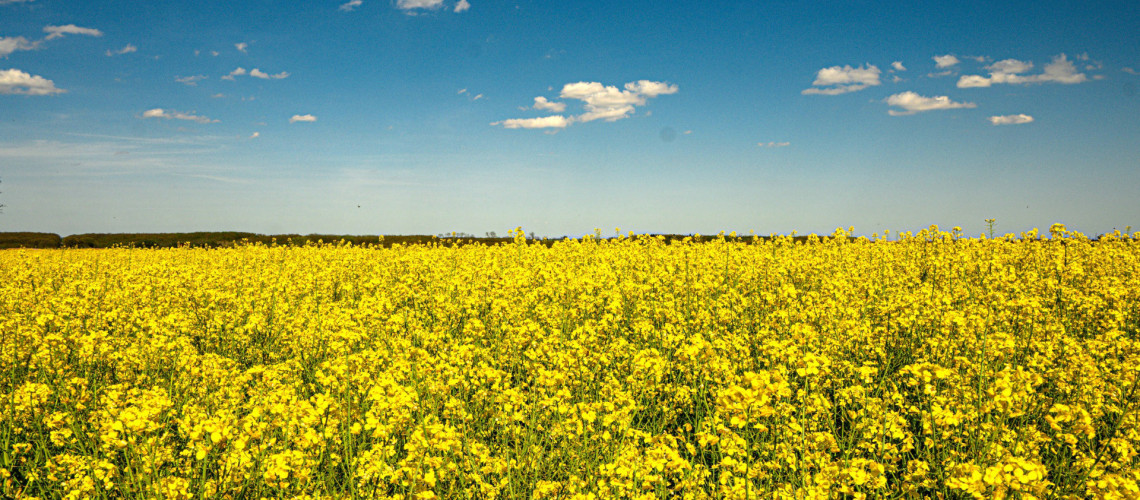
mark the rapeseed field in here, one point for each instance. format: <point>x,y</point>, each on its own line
<point>926,365</point>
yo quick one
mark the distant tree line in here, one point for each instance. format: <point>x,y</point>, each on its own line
<point>231,238</point>
<point>222,239</point>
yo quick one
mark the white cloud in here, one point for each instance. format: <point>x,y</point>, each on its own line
<point>1010,71</point>
<point>554,121</point>
<point>351,5</point>
<point>256,73</point>
<point>913,103</point>
<point>1130,71</point>
<point>418,4</point>
<point>170,114</point>
<point>9,45</point>
<point>237,72</point>
<point>1062,71</point>
<point>241,46</point>
<point>255,135</point>
<point>1010,119</point>
<point>70,29</point>
<point>302,118</point>
<point>125,50</point>
<point>843,79</point>
<point>596,94</point>
<point>462,6</point>
<point>898,66</point>
<point>1010,67</point>
<point>969,81</point>
<point>543,104</point>
<point>6,2</point>
<point>945,61</point>
<point>651,89</point>
<point>600,102</point>
<point>607,102</point>
<point>940,74</point>
<point>608,113</point>
<point>14,81</point>
<point>773,144</point>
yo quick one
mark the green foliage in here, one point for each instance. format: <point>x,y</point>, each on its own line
<point>29,240</point>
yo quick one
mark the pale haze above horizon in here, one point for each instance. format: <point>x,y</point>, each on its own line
<point>432,116</point>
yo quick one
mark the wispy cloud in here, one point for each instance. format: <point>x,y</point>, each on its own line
<point>542,104</point>
<point>350,6</point>
<point>170,114</point>
<point>69,29</point>
<point>554,121</point>
<point>100,155</point>
<point>6,2</point>
<point>419,4</point>
<point>1010,119</point>
<point>14,81</point>
<point>241,46</point>
<point>255,135</point>
<point>912,103</point>
<point>1011,71</point>
<point>9,45</point>
<point>843,79</point>
<point>474,97</point>
<point>303,118</point>
<point>127,49</point>
<point>774,144</point>
<point>414,7</point>
<point>1130,71</point>
<point>236,72</point>
<point>191,80</point>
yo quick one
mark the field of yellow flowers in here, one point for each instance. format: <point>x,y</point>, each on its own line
<point>928,366</point>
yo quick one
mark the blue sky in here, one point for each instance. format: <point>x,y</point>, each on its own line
<point>431,116</point>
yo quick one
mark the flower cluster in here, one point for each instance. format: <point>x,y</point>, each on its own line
<point>925,366</point>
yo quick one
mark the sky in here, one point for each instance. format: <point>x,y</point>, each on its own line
<point>433,116</point>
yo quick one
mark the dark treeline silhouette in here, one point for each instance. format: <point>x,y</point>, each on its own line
<point>232,238</point>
